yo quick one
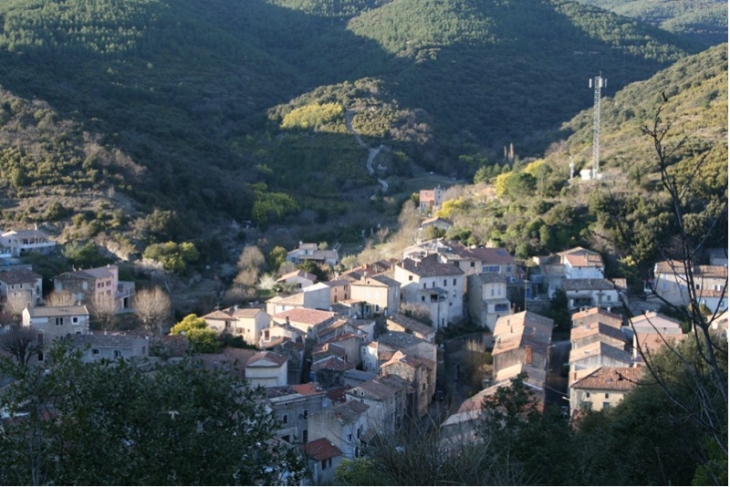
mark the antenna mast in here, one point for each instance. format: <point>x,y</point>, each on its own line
<point>597,83</point>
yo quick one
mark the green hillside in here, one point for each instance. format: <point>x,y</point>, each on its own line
<point>703,20</point>
<point>193,94</point>
<point>627,214</point>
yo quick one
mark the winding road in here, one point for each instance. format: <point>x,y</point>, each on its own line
<point>372,152</point>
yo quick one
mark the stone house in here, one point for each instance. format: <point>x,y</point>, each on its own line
<point>590,293</point>
<point>603,388</point>
<point>400,323</point>
<point>585,359</point>
<point>709,281</point>
<point>345,425</point>
<point>379,293</point>
<point>291,406</point>
<point>436,285</point>
<point>22,287</point>
<point>57,321</point>
<point>420,374</point>
<point>487,298</point>
<point>96,285</point>
<point>311,251</point>
<point>316,296</point>
<point>522,344</point>
<point>323,458</point>
<point>248,323</point>
<point>97,347</point>
<point>298,279</point>
<point>305,320</point>
<point>387,401</point>
<point>581,263</point>
<point>431,199</point>
<point>267,369</point>
<point>21,242</point>
<point>339,290</point>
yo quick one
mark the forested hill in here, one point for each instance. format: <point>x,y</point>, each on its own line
<point>192,93</point>
<point>703,20</point>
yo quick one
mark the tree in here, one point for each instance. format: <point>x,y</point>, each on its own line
<point>174,257</point>
<point>84,256</point>
<point>418,312</point>
<point>153,308</point>
<point>181,424</point>
<point>277,256</point>
<point>60,298</point>
<point>14,305</point>
<point>103,310</point>
<point>21,343</point>
<point>706,377</point>
<point>201,338</point>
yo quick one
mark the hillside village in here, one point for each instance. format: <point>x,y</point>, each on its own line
<point>422,337</point>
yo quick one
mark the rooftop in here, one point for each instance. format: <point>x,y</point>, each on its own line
<point>19,276</point>
<point>321,449</point>
<point>610,379</point>
<point>304,315</point>
<point>430,267</point>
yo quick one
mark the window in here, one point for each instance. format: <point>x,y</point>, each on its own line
<point>410,278</point>
<point>424,285</point>
<point>305,436</point>
<point>84,285</point>
<point>284,418</point>
<point>59,320</point>
<point>445,282</point>
<point>326,464</point>
<point>588,395</point>
<point>492,291</point>
<point>40,356</point>
<point>305,413</point>
<point>423,298</point>
<point>606,405</point>
<point>75,320</point>
<point>117,353</point>
<point>95,351</point>
<point>358,432</point>
<point>607,395</point>
<point>472,263</point>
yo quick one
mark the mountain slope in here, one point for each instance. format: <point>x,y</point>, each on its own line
<point>703,20</point>
<point>195,92</point>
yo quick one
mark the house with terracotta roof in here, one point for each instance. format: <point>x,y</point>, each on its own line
<point>437,285</point>
<point>582,263</point>
<point>248,323</point>
<point>487,298</point>
<point>585,359</point>
<point>581,336</point>
<point>323,458</point>
<point>23,287</point>
<point>420,373</point>
<point>387,399</point>
<point>593,315</point>
<point>409,344</point>
<point>379,293</point>
<point>267,369</point>
<point>431,199</point>
<point>709,282</point>
<point>522,344</point>
<point>650,332</point>
<point>603,387</point>
<point>298,279</point>
<point>443,224</point>
<point>305,320</point>
<point>344,424</point>
<point>96,285</point>
<point>402,323</point>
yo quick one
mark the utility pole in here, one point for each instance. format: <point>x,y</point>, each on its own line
<point>597,82</point>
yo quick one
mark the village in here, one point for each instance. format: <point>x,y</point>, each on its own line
<point>425,337</point>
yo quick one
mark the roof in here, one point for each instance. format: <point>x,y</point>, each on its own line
<point>516,323</point>
<point>399,339</point>
<point>601,349</point>
<point>298,273</point>
<point>492,255</point>
<point>374,388</point>
<point>48,311</point>
<point>436,219</point>
<point>409,360</point>
<point>95,273</point>
<point>321,449</point>
<point>410,324</point>
<point>491,277</point>
<point>25,233</point>
<point>308,389</point>
<point>596,328</point>
<point>331,363</point>
<point>304,315</point>
<point>260,358</point>
<point>653,342</point>
<point>351,410</point>
<point>596,314</point>
<point>108,341</point>
<point>588,285</point>
<point>337,282</point>
<point>378,280</point>
<point>430,267</point>
<point>328,348</point>
<point>677,267</point>
<point>580,257</point>
<point>655,322</point>
<point>19,276</point>
<point>610,379</point>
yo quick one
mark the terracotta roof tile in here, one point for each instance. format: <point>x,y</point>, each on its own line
<point>321,449</point>
<point>610,379</point>
<point>304,315</point>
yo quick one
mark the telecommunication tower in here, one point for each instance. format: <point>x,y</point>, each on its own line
<point>597,82</point>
